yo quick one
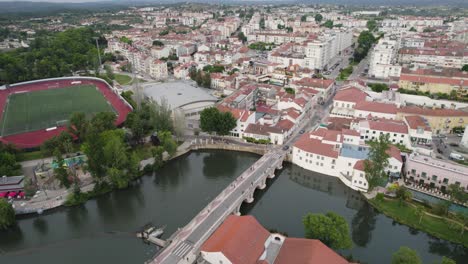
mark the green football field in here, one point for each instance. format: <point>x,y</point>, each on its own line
<point>37,110</point>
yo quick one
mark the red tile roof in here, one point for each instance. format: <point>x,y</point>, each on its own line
<point>359,165</point>
<point>394,152</point>
<point>431,112</point>
<point>351,94</point>
<point>415,122</point>
<point>316,146</point>
<point>376,107</point>
<point>314,83</point>
<point>393,126</point>
<point>285,124</point>
<point>350,132</point>
<point>307,251</point>
<point>240,238</point>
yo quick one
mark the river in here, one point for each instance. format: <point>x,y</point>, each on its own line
<point>103,229</point>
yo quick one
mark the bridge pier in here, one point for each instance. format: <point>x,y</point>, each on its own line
<point>250,198</point>
<point>263,184</point>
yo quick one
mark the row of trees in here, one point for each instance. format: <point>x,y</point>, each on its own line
<point>214,121</point>
<point>53,55</point>
<point>8,161</point>
<point>365,41</point>
<point>333,230</point>
<point>201,77</point>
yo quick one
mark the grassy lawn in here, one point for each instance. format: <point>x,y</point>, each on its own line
<point>122,79</point>
<point>406,215</point>
<point>43,109</point>
<point>345,73</point>
<point>33,155</point>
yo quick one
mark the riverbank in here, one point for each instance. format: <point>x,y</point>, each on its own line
<point>406,213</point>
<point>51,199</point>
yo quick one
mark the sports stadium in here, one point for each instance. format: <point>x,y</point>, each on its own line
<point>33,112</point>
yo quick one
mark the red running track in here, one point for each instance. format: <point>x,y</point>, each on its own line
<point>36,138</point>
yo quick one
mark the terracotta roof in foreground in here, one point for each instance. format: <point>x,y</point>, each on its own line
<point>240,238</point>
<point>307,251</point>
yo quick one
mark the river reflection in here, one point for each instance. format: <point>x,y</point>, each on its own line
<point>296,192</point>
<point>103,229</point>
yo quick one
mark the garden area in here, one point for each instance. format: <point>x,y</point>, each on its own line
<point>433,219</point>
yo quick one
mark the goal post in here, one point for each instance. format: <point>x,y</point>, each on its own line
<point>61,123</point>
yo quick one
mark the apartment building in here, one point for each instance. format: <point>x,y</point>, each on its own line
<point>383,59</point>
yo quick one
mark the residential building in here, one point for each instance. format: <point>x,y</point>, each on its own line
<point>434,80</point>
<point>158,70</point>
<point>340,154</point>
<point>242,240</point>
<point>435,172</point>
<point>383,59</point>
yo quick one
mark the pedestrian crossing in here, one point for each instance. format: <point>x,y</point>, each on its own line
<point>182,249</point>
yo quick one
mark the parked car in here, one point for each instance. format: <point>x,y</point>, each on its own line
<point>459,135</point>
<point>286,147</point>
<point>456,156</point>
<point>302,131</point>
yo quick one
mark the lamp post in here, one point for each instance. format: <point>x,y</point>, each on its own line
<point>99,52</point>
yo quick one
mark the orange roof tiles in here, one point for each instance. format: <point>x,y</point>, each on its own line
<point>307,251</point>
<point>415,122</point>
<point>240,238</point>
<point>315,146</point>
<point>351,94</point>
<point>376,107</point>
<point>431,112</point>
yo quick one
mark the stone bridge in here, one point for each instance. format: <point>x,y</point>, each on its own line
<point>184,245</point>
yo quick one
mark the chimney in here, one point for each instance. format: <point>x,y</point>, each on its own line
<point>4,178</point>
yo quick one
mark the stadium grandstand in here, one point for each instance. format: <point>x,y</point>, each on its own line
<point>35,111</point>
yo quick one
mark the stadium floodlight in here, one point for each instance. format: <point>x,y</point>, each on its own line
<point>99,52</point>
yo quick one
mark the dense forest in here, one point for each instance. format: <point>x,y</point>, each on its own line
<point>51,55</point>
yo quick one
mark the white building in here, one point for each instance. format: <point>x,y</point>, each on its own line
<point>383,60</point>
<point>158,70</point>
<point>340,154</point>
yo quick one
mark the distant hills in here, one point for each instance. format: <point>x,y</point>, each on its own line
<point>7,7</point>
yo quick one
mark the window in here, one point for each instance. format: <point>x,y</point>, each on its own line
<point>434,177</point>
<point>349,164</point>
<point>360,182</point>
<point>445,181</point>
<point>333,167</point>
<point>322,158</point>
<point>300,158</point>
<point>423,174</point>
<point>413,171</point>
<point>373,132</point>
<point>317,163</point>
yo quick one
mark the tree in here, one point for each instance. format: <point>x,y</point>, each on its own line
<point>403,194</point>
<point>158,43</point>
<point>377,160</point>
<point>420,212</point>
<point>318,18</point>
<point>241,36</point>
<point>365,41</point>
<point>412,29</point>
<point>462,217</point>
<point>78,125</point>
<point>446,260</point>
<point>208,119</point>
<point>8,164</point>
<point>61,172</point>
<point>458,193</point>
<point>331,229</point>
<point>304,18</point>
<point>179,124</point>
<point>371,25</point>
<point>168,142</point>
<point>7,214</point>
<point>328,24</point>
<point>406,255</point>
<point>212,120</point>
<point>160,115</point>
<point>103,121</point>
<point>262,23</point>
<point>378,87</point>
<point>158,157</point>
<point>109,72</point>
<point>465,67</point>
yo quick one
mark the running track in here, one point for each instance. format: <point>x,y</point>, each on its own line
<point>36,138</point>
